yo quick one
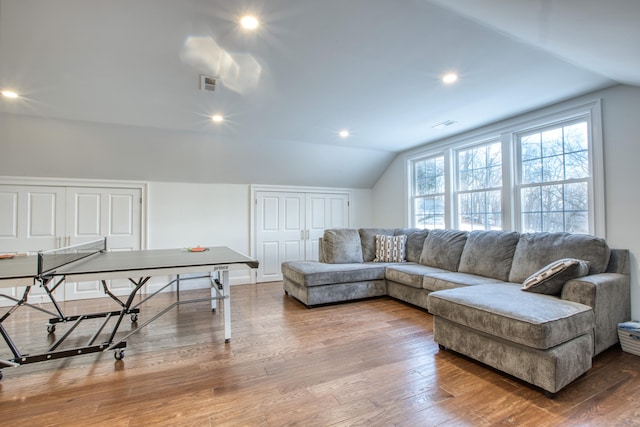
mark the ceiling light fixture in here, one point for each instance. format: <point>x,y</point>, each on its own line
<point>449,78</point>
<point>249,22</point>
<point>217,118</point>
<point>9,94</point>
<point>344,133</point>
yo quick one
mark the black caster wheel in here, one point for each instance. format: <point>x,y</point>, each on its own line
<point>134,318</point>
<point>51,328</point>
<point>119,354</point>
<point>0,375</point>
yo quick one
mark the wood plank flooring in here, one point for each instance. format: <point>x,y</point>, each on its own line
<point>369,363</point>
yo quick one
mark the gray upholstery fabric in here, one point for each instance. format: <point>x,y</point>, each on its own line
<point>442,249</point>
<point>368,241</point>
<point>502,310</point>
<point>619,262</point>
<point>341,245</point>
<point>415,243</point>
<point>409,274</point>
<point>417,297</point>
<point>609,295</point>
<point>549,369</point>
<point>316,295</point>
<point>311,273</point>
<point>451,280</point>
<point>489,253</point>
<point>535,250</point>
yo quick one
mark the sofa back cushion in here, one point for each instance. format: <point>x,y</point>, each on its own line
<point>442,249</point>
<point>414,245</point>
<point>489,253</point>
<point>535,250</point>
<point>341,246</point>
<point>368,241</point>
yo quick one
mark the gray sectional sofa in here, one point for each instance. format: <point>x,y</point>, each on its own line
<point>471,283</point>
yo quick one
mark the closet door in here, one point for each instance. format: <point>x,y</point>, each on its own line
<point>31,220</point>
<point>289,224</point>
<point>279,231</point>
<point>93,213</point>
<point>323,211</point>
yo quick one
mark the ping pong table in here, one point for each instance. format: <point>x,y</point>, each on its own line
<point>91,261</point>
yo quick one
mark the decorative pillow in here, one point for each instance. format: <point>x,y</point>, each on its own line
<point>390,248</point>
<point>550,279</point>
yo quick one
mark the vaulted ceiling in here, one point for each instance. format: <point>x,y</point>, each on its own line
<point>311,69</point>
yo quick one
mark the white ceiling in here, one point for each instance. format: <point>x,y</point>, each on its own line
<point>312,68</point>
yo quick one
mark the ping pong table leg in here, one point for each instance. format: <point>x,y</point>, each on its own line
<point>226,305</point>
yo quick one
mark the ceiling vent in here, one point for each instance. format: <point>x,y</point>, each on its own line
<point>444,124</point>
<point>207,83</point>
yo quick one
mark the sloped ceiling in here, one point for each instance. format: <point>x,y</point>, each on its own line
<point>311,69</point>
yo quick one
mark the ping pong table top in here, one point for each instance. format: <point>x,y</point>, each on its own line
<point>127,263</point>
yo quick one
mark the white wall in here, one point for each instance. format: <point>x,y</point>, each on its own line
<point>621,127</point>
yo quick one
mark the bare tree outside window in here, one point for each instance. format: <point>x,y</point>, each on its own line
<point>479,187</point>
<point>554,179</point>
<point>429,176</point>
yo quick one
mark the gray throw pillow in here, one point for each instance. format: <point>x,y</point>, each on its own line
<point>550,279</point>
<point>341,246</point>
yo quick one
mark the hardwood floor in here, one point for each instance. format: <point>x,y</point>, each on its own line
<point>371,363</point>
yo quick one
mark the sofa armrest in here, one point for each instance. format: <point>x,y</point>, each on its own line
<point>609,295</point>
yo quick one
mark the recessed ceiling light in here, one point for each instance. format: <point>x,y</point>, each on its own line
<point>344,133</point>
<point>249,22</point>
<point>217,118</point>
<point>450,78</point>
<point>9,94</point>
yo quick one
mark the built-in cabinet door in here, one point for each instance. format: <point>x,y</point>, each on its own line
<point>323,211</point>
<point>35,218</point>
<point>279,231</point>
<point>94,213</point>
<point>32,219</point>
<point>289,224</point>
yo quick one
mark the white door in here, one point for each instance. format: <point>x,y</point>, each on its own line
<point>31,220</point>
<point>324,210</point>
<point>279,231</point>
<point>93,213</point>
<point>289,224</point>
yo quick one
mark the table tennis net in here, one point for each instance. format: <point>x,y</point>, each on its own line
<point>49,261</point>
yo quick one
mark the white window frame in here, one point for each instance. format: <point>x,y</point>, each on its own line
<point>507,132</point>
<point>411,187</point>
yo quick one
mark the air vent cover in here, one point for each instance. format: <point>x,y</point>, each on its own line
<point>207,83</point>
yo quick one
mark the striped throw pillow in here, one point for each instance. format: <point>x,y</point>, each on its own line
<point>390,248</point>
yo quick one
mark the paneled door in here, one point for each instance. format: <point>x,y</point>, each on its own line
<point>93,213</point>
<point>32,218</point>
<point>280,218</point>
<point>289,224</point>
<point>324,210</point>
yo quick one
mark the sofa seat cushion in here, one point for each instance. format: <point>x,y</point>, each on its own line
<point>410,274</point>
<point>312,273</point>
<point>439,281</point>
<point>503,310</point>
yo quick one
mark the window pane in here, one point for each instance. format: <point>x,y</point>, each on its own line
<point>551,158</point>
<point>429,212</point>
<point>429,176</point>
